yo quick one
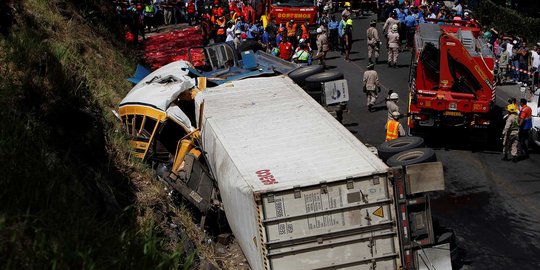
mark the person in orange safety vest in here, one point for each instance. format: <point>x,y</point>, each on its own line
<point>305,30</point>
<point>394,129</point>
<point>220,33</point>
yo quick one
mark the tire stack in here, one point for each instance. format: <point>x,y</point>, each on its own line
<point>405,151</point>
<point>311,77</point>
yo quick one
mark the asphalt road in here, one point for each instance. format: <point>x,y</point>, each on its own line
<point>493,206</point>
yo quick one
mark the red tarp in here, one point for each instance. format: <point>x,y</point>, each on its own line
<point>165,48</point>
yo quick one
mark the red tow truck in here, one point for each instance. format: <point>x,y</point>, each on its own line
<point>451,82</point>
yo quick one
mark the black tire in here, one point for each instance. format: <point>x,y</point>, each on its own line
<point>390,148</point>
<point>313,82</point>
<point>299,75</point>
<point>412,156</point>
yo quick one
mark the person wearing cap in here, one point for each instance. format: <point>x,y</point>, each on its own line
<point>347,11</point>
<point>373,42</point>
<point>322,46</point>
<point>510,134</point>
<point>371,85</point>
<point>391,104</point>
<point>387,27</point>
<point>394,129</point>
<point>393,46</point>
<point>348,39</point>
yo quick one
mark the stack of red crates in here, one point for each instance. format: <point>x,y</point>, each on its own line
<point>165,48</point>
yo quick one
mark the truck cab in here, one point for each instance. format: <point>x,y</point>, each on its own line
<point>451,77</point>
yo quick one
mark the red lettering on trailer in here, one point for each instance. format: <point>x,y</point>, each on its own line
<point>266,177</point>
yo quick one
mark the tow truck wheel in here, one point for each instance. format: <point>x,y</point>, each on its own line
<point>412,156</point>
<point>299,75</point>
<point>390,148</point>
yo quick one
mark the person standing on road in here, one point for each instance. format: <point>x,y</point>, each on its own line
<point>341,32</point>
<point>390,22</point>
<point>510,134</point>
<point>393,46</point>
<point>322,46</point>
<point>503,65</point>
<point>333,31</point>
<point>371,85</point>
<point>394,129</point>
<point>348,39</point>
<point>391,105</point>
<point>373,41</point>
<point>347,11</point>
<point>525,125</point>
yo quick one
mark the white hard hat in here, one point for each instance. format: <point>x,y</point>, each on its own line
<point>301,40</point>
<point>394,27</point>
<point>466,13</point>
<point>394,96</point>
<point>395,114</point>
<point>238,32</point>
<point>319,30</point>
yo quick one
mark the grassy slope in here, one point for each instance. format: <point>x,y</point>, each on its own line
<point>70,197</point>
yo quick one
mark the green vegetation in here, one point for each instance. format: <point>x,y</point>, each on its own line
<point>70,196</point>
<point>508,21</point>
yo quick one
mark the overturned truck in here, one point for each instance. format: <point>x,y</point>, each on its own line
<point>298,189</point>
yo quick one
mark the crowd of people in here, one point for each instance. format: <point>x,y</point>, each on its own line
<point>236,22</point>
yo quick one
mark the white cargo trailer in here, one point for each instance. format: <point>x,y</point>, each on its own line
<point>299,190</point>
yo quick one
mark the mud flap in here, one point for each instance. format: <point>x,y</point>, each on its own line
<point>413,208</point>
<point>194,183</point>
<point>437,257</point>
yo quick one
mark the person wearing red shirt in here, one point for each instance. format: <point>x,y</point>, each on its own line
<point>525,125</point>
<point>285,49</point>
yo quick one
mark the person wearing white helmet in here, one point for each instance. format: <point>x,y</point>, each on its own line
<point>394,129</point>
<point>322,46</point>
<point>393,46</point>
<point>237,38</point>
<point>391,104</point>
